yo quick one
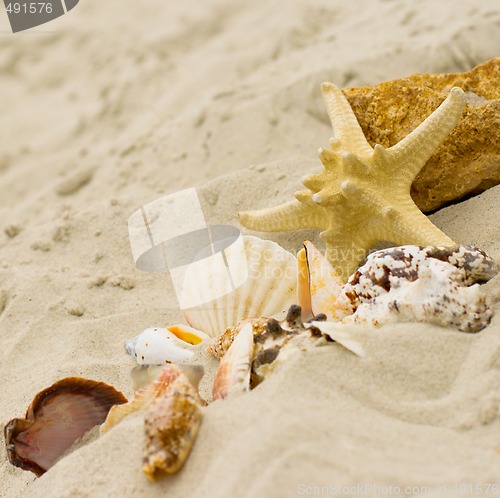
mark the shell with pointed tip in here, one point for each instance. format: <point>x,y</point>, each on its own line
<point>157,345</point>
<point>260,327</point>
<point>268,291</point>
<point>319,286</point>
<point>55,419</point>
<point>171,423</point>
<point>146,395</point>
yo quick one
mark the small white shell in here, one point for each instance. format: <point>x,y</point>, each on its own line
<point>269,290</point>
<point>158,345</point>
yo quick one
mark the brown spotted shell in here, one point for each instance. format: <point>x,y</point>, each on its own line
<point>422,284</point>
<point>171,423</point>
<point>257,346</point>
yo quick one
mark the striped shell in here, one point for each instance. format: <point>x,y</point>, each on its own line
<point>269,290</point>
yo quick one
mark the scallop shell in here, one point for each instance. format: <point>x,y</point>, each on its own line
<point>269,289</point>
<point>55,419</point>
<point>157,345</point>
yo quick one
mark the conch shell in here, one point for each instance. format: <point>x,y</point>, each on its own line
<point>154,385</point>
<point>159,345</point>
<point>319,287</point>
<point>55,419</point>
<point>407,283</point>
<point>423,284</point>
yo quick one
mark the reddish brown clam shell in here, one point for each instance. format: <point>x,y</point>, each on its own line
<point>55,419</point>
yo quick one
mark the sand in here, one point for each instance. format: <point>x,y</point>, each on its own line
<point>117,103</point>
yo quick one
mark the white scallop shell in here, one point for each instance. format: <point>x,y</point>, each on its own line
<point>159,345</point>
<point>269,289</point>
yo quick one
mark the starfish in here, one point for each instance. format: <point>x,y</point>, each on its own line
<point>362,197</point>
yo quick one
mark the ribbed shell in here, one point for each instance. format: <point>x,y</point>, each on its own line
<point>55,419</point>
<point>269,290</point>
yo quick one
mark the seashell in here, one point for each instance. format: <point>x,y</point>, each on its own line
<point>260,326</point>
<point>171,424</point>
<point>233,374</point>
<point>319,286</point>
<point>336,332</point>
<point>55,419</point>
<point>145,396</point>
<point>219,345</point>
<point>269,289</point>
<point>157,345</point>
<point>246,364</point>
<point>303,284</point>
<point>423,284</point>
<point>475,265</point>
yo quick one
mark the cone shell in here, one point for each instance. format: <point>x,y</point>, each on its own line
<point>171,424</point>
<point>269,290</point>
<point>158,345</point>
<point>55,419</point>
<point>158,387</point>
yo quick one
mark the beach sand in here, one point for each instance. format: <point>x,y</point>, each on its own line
<point>117,103</point>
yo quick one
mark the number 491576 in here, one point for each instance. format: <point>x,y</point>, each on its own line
<point>29,8</point>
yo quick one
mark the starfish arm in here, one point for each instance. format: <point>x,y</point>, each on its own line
<point>347,243</point>
<point>409,155</point>
<point>345,125</point>
<point>290,216</point>
<point>411,226</point>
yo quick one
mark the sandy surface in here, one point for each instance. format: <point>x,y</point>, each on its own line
<point>118,102</point>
